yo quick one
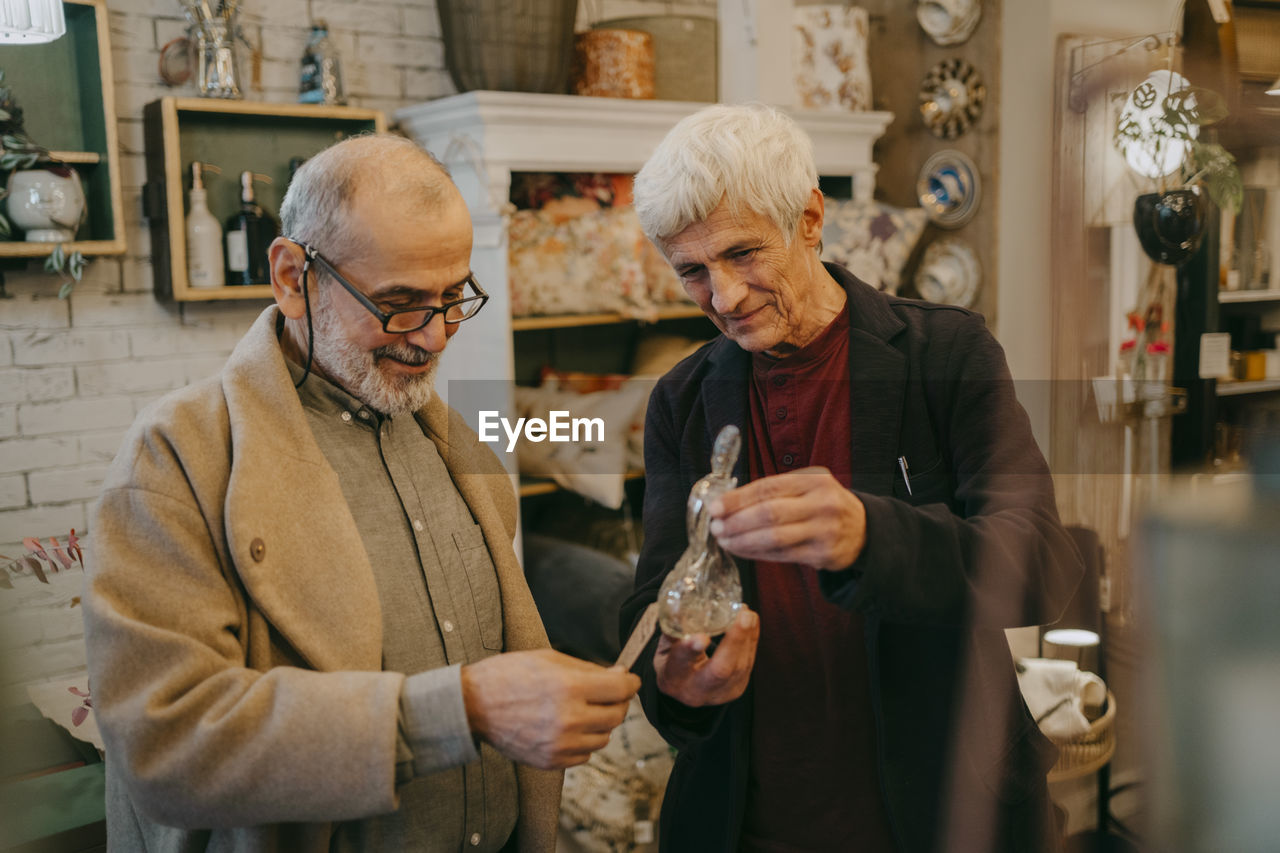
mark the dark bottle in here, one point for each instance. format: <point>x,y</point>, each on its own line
<point>248,235</point>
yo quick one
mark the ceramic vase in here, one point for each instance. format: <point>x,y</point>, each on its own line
<point>48,203</point>
<point>1169,225</point>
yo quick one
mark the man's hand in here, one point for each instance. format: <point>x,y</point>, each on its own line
<point>544,708</point>
<point>803,517</point>
<point>687,674</point>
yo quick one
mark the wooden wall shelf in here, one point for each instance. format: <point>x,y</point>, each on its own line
<point>236,136</point>
<point>569,321</point>
<point>67,91</point>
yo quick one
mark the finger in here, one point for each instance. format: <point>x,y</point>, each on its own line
<point>737,651</point>
<point>609,687</point>
<point>765,514</point>
<point>602,718</point>
<point>685,655</point>
<point>761,543</point>
<point>769,488</point>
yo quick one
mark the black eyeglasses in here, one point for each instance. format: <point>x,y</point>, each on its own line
<point>405,320</point>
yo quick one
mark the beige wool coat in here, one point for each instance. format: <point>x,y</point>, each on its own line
<point>233,626</point>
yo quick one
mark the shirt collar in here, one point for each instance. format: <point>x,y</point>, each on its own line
<point>320,395</point>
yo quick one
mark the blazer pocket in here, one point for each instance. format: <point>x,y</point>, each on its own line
<point>930,483</point>
<point>486,595</point>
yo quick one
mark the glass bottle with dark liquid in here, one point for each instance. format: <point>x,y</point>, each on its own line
<point>248,235</point>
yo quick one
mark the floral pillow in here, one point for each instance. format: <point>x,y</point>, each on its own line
<point>872,240</point>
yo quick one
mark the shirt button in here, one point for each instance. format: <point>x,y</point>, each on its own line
<point>475,839</point>
<point>448,629</point>
<point>788,459</point>
<point>781,413</point>
<point>418,525</point>
<point>779,381</point>
<point>364,416</point>
<point>346,416</point>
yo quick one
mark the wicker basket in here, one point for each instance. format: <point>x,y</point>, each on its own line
<point>1089,752</point>
<point>508,45</point>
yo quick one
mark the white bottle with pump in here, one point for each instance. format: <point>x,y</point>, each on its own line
<point>204,235</point>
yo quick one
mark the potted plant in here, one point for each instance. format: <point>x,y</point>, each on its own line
<point>52,203</point>
<point>1158,133</point>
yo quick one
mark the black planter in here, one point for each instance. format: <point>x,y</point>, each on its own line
<point>1169,225</point>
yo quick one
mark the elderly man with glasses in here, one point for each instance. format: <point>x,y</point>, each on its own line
<point>307,628</point>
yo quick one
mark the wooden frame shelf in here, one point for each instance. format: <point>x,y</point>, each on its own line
<point>1258,386</point>
<point>569,321</point>
<point>67,90</point>
<point>1226,297</point>
<point>236,136</point>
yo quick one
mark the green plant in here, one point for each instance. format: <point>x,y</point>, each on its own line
<point>1163,121</point>
<point>19,151</point>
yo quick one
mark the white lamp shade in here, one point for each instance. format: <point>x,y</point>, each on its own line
<point>1152,152</point>
<point>31,21</point>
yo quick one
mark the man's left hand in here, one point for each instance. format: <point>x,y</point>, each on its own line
<point>802,516</point>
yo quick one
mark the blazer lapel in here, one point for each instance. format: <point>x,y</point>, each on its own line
<point>725,396</point>
<point>290,533</point>
<point>877,385</point>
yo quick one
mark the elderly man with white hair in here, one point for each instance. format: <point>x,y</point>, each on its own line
<point>895,515</point>
<point>307,628</point>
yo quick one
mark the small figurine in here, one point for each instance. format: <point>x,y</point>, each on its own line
<point>703,594</point>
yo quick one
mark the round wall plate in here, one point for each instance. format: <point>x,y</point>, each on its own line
<point>949,22</point>
<point>952,95</point>
<point>949,188</point>
<point>949,273</point>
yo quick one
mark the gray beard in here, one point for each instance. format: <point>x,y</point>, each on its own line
<point>360,372</point>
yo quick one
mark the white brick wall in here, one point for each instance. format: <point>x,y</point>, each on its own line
<point>74,373</point>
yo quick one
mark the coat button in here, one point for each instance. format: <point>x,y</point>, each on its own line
<point>257,550</point>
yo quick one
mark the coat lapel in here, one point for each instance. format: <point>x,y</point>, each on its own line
<point>877,386</point>
<point>290,533</point>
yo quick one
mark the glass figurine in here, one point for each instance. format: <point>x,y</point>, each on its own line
<point>702,594</point>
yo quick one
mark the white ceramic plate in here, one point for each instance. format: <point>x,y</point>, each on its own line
<point>949,273</point>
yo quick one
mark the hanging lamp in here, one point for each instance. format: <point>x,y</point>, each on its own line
<point>31,21</point>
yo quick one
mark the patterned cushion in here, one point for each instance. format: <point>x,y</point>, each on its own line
<point>872,240</point>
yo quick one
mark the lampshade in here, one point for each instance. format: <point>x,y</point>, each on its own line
<point>1143,136</point>
<point>31,21</point>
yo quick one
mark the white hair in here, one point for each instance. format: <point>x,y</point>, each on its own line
<point>314,210</point>
<point>752,157</point>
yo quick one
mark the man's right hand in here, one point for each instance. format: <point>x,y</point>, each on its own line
<point>687,674</point>
<point>544,708</point>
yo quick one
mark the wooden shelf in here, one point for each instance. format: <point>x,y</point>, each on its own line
<point>236,136</point>
<point>88,158</point>
<point>67,86</point>
<point>1229,296</point>
<point>533,486</point>
<point>22,249</point>
<point>567,321</point>
<point>1261,386</point>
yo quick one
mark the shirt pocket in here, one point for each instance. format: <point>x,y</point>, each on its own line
<point>486,596</point>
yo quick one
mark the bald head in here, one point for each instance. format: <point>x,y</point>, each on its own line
<point>392,169</point>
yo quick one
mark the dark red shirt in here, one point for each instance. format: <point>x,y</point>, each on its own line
<point>813,783</point>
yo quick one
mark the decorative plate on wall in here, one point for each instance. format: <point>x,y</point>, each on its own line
<point>952,95</point>
<point>949,188</point>
<point>949,273</point>
<point>949,22</point>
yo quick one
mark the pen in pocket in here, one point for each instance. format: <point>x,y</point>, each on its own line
<point>906,473</point>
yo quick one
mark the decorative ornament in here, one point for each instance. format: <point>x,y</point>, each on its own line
<point>952,96</point>
<point>949,273</point>
<point>949,22</point>
<point>949,188</point>
<point>703,593</point>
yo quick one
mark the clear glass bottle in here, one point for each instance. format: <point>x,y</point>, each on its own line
<point>321,69</point>
<point>703,593</point>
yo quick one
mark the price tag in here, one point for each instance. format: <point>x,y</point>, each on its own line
<point>639,637</point>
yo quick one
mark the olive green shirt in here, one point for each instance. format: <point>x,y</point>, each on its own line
<point>441,608</point>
